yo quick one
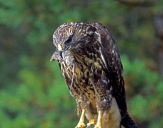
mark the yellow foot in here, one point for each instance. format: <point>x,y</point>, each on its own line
<point>97,126</point>
<point>99,120</point>
<point>91,122</point>
<point>81,125</point>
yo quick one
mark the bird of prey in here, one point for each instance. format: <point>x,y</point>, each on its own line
<point>91,65</point>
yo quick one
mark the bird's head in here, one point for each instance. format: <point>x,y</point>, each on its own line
<point>70,38</point>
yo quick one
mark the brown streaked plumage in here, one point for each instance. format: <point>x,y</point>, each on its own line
<point>92,68</point>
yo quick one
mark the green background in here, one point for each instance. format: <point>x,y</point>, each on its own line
<point>33,93</point>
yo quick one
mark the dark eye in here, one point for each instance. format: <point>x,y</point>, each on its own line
<point>69,39</point>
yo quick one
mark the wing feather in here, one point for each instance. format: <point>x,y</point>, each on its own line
<point>113,65</point>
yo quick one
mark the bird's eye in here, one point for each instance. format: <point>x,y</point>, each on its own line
<point>69,39</point>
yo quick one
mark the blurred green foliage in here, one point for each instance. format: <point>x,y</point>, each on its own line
<point>33,93</point>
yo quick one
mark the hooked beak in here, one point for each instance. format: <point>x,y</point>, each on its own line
<point>56,56</point>
<point>63,56</point>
